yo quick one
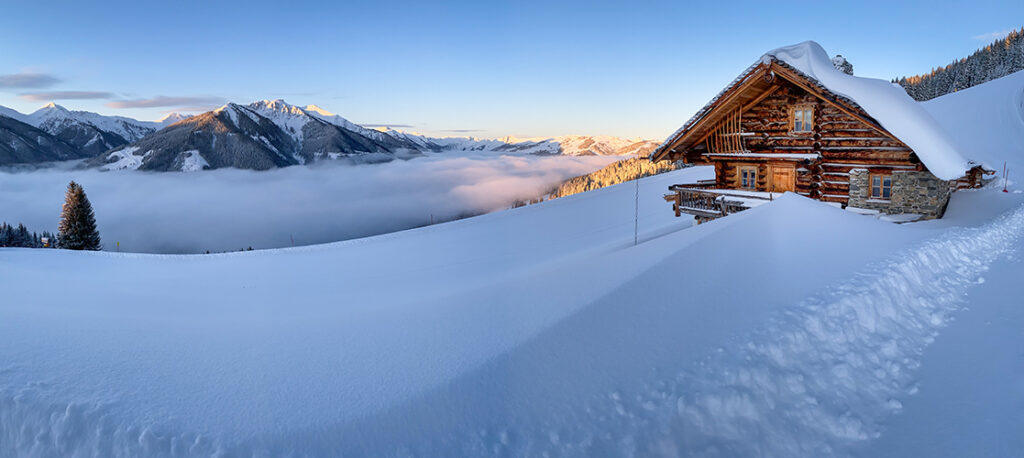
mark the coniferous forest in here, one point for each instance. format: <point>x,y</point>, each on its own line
<point>1001,58</point>
<point>20,237</point>
<point>614,173</point>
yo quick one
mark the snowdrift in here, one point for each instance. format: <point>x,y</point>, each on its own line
<point>986,120</point>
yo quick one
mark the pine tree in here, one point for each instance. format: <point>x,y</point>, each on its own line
<point>77,229</point>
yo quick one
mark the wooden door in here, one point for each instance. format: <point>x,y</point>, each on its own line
<point>783,178</point>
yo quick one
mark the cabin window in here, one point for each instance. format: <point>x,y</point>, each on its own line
<point>748,178</point>
<point>881,186</point>
<point>803,119</point>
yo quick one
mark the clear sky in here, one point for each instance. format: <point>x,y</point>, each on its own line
<point>480,68</point>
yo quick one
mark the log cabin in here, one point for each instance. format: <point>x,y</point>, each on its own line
<point>792,123</point>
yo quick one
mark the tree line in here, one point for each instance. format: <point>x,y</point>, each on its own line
<point>77,230</point>
<point>615,173</point>
<point>1001,58</point>
<point>20,237</point>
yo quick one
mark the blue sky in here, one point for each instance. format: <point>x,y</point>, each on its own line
<point>631,69</point>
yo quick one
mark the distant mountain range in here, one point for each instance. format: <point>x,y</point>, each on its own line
<point>56,133</point>
<point>261,135</point>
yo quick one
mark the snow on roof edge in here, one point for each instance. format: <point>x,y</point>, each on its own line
<point>887,103</point>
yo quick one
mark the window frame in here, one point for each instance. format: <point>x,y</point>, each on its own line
<point>882,187</point>
<point>752,177</point>
<point>803,109</point>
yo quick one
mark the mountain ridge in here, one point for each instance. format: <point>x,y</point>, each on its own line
<point>268,134</point>
<point>88,133</point>
<point>259,135</point>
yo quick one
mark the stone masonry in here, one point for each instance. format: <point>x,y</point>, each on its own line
<point>912,192</point>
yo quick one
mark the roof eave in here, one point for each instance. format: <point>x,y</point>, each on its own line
<point>774,67</point>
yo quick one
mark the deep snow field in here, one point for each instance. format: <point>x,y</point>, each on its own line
<point>530,331</point>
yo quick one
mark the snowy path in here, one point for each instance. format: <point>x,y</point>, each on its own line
<point>822,377</point>
<point>971,392</point>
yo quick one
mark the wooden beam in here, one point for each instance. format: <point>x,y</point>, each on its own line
<point>752,78</point>
<point>759,98</point>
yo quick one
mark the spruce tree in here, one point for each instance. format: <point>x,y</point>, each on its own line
<point>77,229</point>
<point>841,64</point>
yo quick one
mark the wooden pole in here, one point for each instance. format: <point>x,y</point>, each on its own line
<point>636,211</point>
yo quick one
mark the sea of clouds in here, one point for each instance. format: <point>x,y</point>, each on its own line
<point>229,209</point>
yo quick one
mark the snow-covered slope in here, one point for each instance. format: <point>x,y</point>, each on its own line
<point>89,133</point>
<point>13,114</point>
<point>986,120</point>
<point>21,143</point>
<point>536,331</point>
<point>231,136</point>
<point>52,116</point>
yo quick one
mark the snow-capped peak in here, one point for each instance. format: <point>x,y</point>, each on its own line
<point>50,110</point>
<point>290,118</point>
<point>172,118</point>
<point>276,106</point>
<point>318,110</point>
<point>52,113</point>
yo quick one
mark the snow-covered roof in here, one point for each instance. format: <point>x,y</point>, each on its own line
<point>886,102</point>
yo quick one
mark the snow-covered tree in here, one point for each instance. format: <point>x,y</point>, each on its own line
<point>1002,57</point>
<point>841,64</point>
<point>77,229</point>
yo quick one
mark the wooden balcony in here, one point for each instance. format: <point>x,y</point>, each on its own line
<point>708,204</point>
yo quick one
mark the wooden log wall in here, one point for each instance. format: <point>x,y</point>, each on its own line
<point>843,141</point>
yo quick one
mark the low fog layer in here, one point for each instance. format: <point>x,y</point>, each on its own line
<point>225,210</point>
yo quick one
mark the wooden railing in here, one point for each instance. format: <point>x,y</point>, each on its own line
<point>702,184</point>
<point>705,205</point>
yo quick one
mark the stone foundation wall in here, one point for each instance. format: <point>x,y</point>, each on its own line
<point>912,192</point>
